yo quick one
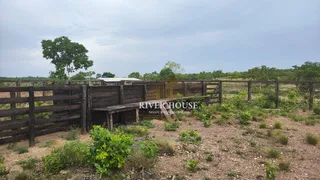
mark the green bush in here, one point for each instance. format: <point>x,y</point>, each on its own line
<point>28,164</point>
<point>223,108</point>
<point>138,161</point>
<point>150,148</point>
<point>190,136</point>
<point>171,126</point>
<point>21,150</point>
<point>207,123</point>
<point>311,139</point>
<point>73,153</point>
<point>192,165</point>
<point>239,101</point>
<point>284,166</point>
<point>277,125</point>
<point>316,110</point>
<point>3,169</point>
<point>262,125</point>
<point>179,115</point>
<point>146,123</point>
<point>245,118</point>
<point>73,134</point>
<point>273,153</point>
<point>135,130</point>
<point>226,115</point>
<point>283,139</point>
<point>271,171</point>
<point>311,120</point>
<point>109,150</point>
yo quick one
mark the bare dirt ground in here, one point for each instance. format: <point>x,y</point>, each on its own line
<point>231,146</point>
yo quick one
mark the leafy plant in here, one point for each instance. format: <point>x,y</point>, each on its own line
<point>262,125</point>
<point>20,150</point>
<point>316,110</point>
<point>209,157</point>
<point>271,171</point>
<point>171,126</point>
<point>284,166</point>
<point>190,136</point>
<point>146,123</point>
<point>277,125</point>
<point>150,148</point>
<point>223,108</point>
<point>73,134</point>
<point>207,123</point>
<point>192,165</point>
<point>226,115</point>
<point>135,130</point>
<point>311,139</point>
<point>73,153</point>
<point>273,153</point>
<point>29,163</point>
<point>245,118</point>
<point>3,169</point>
<point>109,150</point>
<point>311,120</point>
<point>283,139</point>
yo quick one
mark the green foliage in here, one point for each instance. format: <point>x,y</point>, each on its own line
<point>166,74</point>
<point>284,166</point>
<point>19,150</point>
<point>135,75</point>
<point>277,125</point>
<point>226,115</point>
<point>109,150</point>
<point>3,169</point>
<point>73,153</point>
<point>49,143</point>
<point>135,130</point>
<point>271,171</point>
<point>283,139</point>
<point>245,117</point>
<point>266,98</point>
<point>192,165</point>
<point>207,123</point>
<point>273,153</point>
<point>204,112</point>
<point>223,108</point>
<point>190,136</point>
<point>66,55</point>
<point>108,75</point>
<point>296,118</point>
<point>316,110</point>
<point>138,161</point>
<point>311,139</point>
<point>150,148</point>
<point>73,134</point>
<point>146,123</point>
<point>262,125</point>
<point>30,163</point>
<point>311,120</point>
<point>239,101</point>
<point>180,116</point>
<point>171,126</point>
<point>209,157</point>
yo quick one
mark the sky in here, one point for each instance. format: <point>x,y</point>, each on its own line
<point>142,35</point>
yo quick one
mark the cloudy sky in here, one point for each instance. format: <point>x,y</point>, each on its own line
<point>142,35</point>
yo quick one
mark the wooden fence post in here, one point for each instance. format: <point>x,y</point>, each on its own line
<point>145,91</point>
<point>13,105</point>
<point>43,92</point>
<point>277,93</point>
<point>249,90</point>
<point>220,92</point>
<point>84,108</point>
<point>311,94</point>
<point>18,85</point>
<point>121,95</point>
<point>203,88</point>
<point>89,109</point>
<point>31,129</point>
<point>185,89</point>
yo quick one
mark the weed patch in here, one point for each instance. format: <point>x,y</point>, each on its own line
<point>190,136</point>
<point>171,126</point>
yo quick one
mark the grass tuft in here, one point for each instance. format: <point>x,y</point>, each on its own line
<point>273,153</point>
<point>311,139</point>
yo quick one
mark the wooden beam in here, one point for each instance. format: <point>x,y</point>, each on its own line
<point>89,110</point>
<point>121,94</point>
<point>137,115</point>
<point>84,109</point>
<point>31,128</point>
<point>12,104</point>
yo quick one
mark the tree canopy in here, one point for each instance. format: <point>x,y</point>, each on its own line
<point>135,75</point>
<point>108,75</point>
<point>67,56</point>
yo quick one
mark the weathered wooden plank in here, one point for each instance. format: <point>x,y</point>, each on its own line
<point>13,89</point>
<point>84,109</point>
<point>58,97</point>
<point>54,108</point>
<point>104,94</point>
<point>40,121</point>
<point>58,87</point>
<point>13,138</point>
<point>31,130</point>
<point>12,124</point>
<point>11,112</point>
<point>14,132</point>
<point>13,100</point>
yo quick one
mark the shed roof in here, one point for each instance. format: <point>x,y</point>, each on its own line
<point>118,79</point>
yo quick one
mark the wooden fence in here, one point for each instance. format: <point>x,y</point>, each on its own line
<point>72,104</point>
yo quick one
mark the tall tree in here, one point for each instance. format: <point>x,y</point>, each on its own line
<point>166,74</point>
<point>108,75</point>
<point>66,55</point>
<point>135,75</point>
<point>175,67</point>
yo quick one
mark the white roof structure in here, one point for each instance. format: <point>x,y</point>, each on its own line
<point>118,79</point>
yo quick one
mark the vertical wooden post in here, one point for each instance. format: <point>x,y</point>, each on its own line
<point>84,108</point>
<point>89,115</point>
<point>145,92</point>
<point>311,94</point>
<point>31,129</point>
<point>203,88</point>
<point>137,115</point>
<point>121,95</point>
<point>165,90</point>
<point>277,93</point>
<point>13,105</point>
<point>220,92</point>
<point>18,85</point>
<point>185,89</point>
<point>43,92</point>
<point>110,122</point>
<point>249,90</point>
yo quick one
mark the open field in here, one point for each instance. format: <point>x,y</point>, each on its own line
<point>226,151</point>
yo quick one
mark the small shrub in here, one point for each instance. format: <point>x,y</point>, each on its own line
<point>21,150</point>
<point>190,136</point>
<point>135,130</point>
<point>311,120</point>
<point>73,134</point>
<point>207,123</point>
<point>109,150</point>
<point>171,126</point>
<point>277,125</point>
<point>253,144</point>
<point>73,153</point>
<point>49,143</point>
<point>311,139</point>
<point>273,153</point>
<point>221,121</point>
<point>245,118</point>
<point>28,164</point>
<point>233,174</point>
<point>283,139</point>
<point>262,125</point>
<point>223,108</point>
<point>146,123</point>
<point>3,169</point>
<point>138,161</point>
<point>271,171</point>
<point>192,165</point>
<point>226,115</point>
<point>23,176</point>
<point>284,166</point>
<point>165,147</point>
<point>316,110</point>
<point>149,148</point>
<point>209,157</point>
<point>179,115</point>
